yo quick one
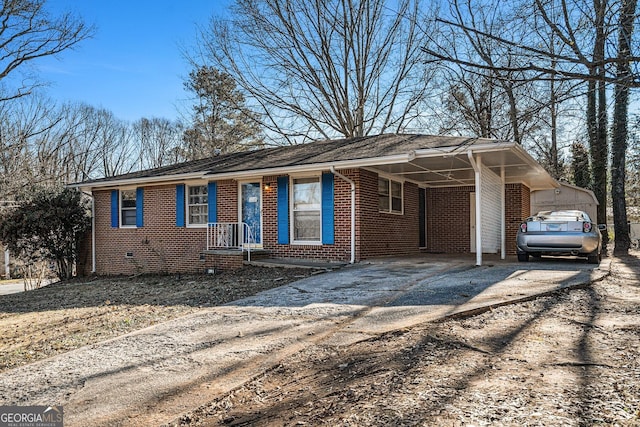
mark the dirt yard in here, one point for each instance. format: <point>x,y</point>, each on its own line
<point>64,316</point>
<point>570,359</point>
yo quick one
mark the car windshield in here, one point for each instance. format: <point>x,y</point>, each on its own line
<point>561,216</point>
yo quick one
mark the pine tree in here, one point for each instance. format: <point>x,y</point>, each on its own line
<point>221,123</point>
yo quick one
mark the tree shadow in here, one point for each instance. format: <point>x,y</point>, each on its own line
<point>335,384</point>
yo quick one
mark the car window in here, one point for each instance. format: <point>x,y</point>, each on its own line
<point>561,216</point>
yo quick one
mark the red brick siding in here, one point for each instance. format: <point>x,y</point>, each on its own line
<point>448,219</point>
<point>517,208</point>
<point>224,262</point>
<point>382,233</point>
<point>160,246</point>
<point>339,251</point>
<point>227,200</point>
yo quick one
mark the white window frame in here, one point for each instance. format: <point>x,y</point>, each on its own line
<point>187,205</point>
<point>391,180</point>
<point>293,211</point>
<point>121,208</point>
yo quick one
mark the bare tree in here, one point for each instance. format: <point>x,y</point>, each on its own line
<point>23,123</point>
<point>318,69</point>
<point>620,133</point>
<point>117,153</point>
<point>584,29</point>
<point>28,32</point>
<point>488,95</point>
<point>472,104</point>
<point>158,141</point>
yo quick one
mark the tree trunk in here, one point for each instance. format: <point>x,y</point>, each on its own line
<point>597,117</point>
<point>620,129</point>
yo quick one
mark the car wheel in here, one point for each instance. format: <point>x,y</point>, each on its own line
<point>594,257</point>
<point>523,256</point>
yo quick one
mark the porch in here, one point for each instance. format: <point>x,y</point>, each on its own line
<point>229,245</point>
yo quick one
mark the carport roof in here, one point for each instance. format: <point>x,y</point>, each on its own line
<point>436,161</point>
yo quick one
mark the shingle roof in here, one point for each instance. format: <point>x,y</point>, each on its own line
<point>320,152</point>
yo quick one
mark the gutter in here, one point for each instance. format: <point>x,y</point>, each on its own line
<point>93,232</point>
<point>353,211</point>
<point>211,175</point>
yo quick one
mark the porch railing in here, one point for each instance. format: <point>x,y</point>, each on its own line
<point>230,235</point>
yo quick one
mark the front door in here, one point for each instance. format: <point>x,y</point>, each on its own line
<point>251,210</point>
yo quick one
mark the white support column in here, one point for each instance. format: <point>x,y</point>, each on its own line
<point>476,163</point>
<point>7,264</point>
<point>503,219</point>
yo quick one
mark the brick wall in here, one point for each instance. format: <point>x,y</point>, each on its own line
<point>227,200</point>
<point>339,251</point>
<point>384,234</point>
<point>448,219</point>
<point>517,208</point>
<point>158,247</point>
<point>161,246</point>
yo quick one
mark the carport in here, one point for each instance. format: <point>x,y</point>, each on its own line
<point>486,164</point>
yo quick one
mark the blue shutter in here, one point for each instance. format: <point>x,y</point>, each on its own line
<point>139,207</point>
<point>212,194</point>
<point>327,209</point>
<point>283,210</point>
<point>180,218</point>
<point>115,194</point>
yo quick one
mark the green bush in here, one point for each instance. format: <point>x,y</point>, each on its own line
<point>47,225</point>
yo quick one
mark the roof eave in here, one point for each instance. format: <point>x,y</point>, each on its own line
<point>165,179</point>
<point>89,186</point>
<point>543,179</point>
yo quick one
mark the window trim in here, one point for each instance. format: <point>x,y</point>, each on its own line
<point>121,208</point>
<point>187,214</point>
<point>390,195</point>
<point>292,210</point>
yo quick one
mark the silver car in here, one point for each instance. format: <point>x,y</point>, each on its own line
<point>562,232</point>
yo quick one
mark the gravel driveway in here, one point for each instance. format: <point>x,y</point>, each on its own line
<point>150,376</point>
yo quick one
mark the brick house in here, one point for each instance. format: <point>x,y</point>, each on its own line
<point>339,200</point>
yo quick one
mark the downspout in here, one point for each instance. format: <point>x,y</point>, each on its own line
<point>353,211</point>
<point>476,167</point>
<point>93,232</point>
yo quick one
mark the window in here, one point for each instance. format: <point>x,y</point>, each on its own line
<point>198,205</point>
<point>306,202</point>
<point>128,208</point>
<point>389,195</point>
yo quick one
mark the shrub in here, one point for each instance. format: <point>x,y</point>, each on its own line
<point>47,225</point>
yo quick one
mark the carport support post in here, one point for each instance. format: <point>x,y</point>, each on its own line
<point>503,219</point>
<point>476,163</point>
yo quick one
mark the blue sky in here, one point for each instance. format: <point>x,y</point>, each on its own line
<point>134,65</point>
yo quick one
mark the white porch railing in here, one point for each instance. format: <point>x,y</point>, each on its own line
<point>230,235</point>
